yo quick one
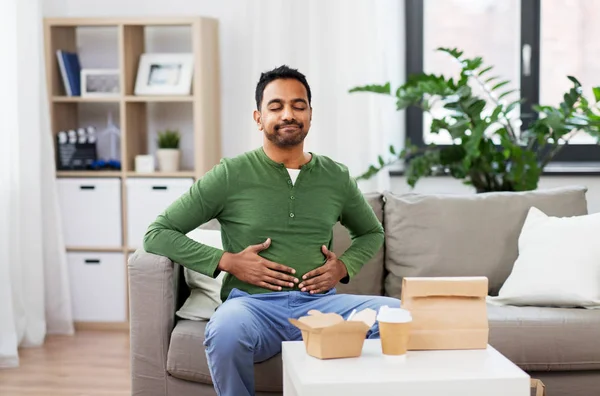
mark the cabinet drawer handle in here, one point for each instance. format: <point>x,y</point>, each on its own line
<point>92,261</point>
<point>87,187</point>
<point>159,187</point>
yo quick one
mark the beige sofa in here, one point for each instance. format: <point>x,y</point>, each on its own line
<point>426,235</point>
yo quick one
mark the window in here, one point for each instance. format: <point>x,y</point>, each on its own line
<point>486,28</point>
<point>533,44</point>
<point>569,46</point>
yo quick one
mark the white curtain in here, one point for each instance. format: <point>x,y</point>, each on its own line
<point>337,44</point>
<point>34,285</point>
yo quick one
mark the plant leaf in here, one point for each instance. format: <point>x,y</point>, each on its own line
<point>507,93</point>
<point>380,89</point>
<point>487,69</point>
<point>496,113</point>
<point>512,105</point>
<point>596,91</point>
<point>574,80</point>
<point>489,80</point>
<point>500,84</point>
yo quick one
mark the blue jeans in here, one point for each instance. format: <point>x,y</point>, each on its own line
<point>248,329</point>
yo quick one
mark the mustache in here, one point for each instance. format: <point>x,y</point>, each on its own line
<point>288,123</point>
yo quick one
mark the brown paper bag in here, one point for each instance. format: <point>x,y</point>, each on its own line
<point>537,388</point>
<point>448,312</point>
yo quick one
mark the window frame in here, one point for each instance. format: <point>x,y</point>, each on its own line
<point>530,85</point>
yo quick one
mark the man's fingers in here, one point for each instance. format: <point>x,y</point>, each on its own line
<point>317,287</point>
<point>329,254</point>
<point>274,281</point>
<point>262,246</point>
<point>269,286</point>
<point>287,279</point>
<point>312,281</point>
<point>279,267</point>
<point>313,273</point>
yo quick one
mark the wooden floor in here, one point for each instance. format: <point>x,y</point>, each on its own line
<point>90,363</point>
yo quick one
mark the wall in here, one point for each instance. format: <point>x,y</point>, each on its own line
<point>337,44</point>
<point>236,105</point>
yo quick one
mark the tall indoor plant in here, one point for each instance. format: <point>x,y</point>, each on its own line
<point>488,151</point>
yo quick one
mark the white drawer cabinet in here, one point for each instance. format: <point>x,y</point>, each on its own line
<point>146,199</point>
<point>98,286</point>
<point>91,212</point>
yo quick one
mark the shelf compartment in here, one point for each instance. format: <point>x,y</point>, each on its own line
<point>136,133</point>
<point>91,212</point>
<point>90,174</point>
<point>102,249</point>
<point>133,98</point>
<point>166,21</point>
<point>162,174</point>
<point>98,286</point>
<point>146,199</point>
<point>85,99</point>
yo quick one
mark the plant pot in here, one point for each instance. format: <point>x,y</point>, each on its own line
<point>168,160</point>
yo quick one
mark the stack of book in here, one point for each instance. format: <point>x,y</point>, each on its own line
<point>70,70</point>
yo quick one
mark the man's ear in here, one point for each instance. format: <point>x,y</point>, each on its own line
<point>258,120</point>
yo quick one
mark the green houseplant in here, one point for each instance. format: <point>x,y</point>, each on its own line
<point>488,150</point>
<point>168,153</point>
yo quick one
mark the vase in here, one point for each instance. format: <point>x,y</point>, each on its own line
<point>168,160</point>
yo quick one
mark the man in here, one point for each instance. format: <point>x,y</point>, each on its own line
<point>277,206</point>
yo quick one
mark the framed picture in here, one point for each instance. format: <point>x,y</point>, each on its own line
<point>165,74</point>
<point>100,82</point>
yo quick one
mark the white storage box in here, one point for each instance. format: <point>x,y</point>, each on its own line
<point>91,212</point>
<point>146,199</point>
<point>98,286</point>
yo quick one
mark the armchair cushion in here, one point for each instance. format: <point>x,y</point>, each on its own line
<point>186,359</point>
<point>205,292</point>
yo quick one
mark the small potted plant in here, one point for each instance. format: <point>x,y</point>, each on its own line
<point>168,153</point>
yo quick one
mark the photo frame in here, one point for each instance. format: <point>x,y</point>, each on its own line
<point>165,74</point>
<point>100,82</point>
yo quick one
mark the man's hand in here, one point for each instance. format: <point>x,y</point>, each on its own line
<point>326,276</point>
<point>251,268</point>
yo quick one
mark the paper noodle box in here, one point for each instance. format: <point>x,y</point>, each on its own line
<point>447,312</point>
<point>329,336</point>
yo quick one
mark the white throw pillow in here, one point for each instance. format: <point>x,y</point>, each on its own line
<point>205,292</point>
<point>558,263</point>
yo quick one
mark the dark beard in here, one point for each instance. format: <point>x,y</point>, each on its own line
<point>285,140</point>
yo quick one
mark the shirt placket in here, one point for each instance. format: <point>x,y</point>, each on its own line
<point>291,200</point>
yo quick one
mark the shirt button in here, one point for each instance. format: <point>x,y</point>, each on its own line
<point>292,197</point>
<point>289,181</point>
<point>291,215</point>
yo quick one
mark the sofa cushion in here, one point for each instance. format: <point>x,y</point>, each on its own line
<point>546,339</point>
<point>186,359</point>
<point>369,281</point>
<point>464,235</point>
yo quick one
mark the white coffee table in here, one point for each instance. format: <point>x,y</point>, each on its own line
<point>483,372</point>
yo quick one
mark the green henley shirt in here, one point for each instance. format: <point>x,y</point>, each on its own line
<point>254,198</point>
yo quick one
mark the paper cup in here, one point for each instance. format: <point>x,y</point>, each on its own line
<point>394,330</point>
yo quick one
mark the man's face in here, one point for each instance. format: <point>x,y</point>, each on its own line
<point>285,114</point>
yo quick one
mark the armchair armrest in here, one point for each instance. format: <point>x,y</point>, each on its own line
<point>152,299</point>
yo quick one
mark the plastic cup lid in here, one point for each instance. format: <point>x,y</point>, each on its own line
<point>393,315</point>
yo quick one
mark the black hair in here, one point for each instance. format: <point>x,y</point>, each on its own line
<point>281,72</point>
